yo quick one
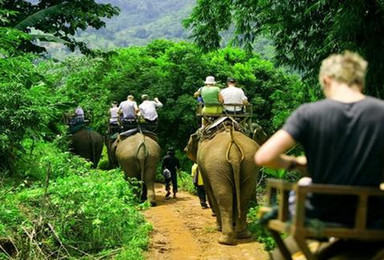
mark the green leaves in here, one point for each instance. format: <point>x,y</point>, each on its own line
<point>56,20</point>
<point>304,32</point>
<point>93,214</point>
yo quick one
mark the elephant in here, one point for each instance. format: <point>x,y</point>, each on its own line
<point>87,144</point>
<point>229,174</point>
<point>138,156</point>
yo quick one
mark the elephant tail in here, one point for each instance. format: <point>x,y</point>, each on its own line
<point>236,170</point>
<point>142,159</point>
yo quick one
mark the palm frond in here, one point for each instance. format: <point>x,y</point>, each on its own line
<point>47,38</point>
<point>33,19</point>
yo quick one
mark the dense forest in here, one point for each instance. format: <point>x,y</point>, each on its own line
<point>52,204</point>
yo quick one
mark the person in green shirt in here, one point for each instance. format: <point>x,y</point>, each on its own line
<point>211,97</point>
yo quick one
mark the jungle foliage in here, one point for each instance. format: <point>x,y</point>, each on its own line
<point>173,72</point>
<point>304,32</point>
<point>51,203</point>
<point>53,20</point>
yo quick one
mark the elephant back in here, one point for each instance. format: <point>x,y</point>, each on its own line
<point>87,144</point>
<point>137,145</point>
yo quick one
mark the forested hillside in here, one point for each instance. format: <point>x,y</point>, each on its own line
<point>141,21</point>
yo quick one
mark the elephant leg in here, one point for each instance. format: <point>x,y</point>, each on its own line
<point>248,189</point>
<point>144,193</point>
<point>212,201</point>
<point>149,181</point>
<point>222,190</point>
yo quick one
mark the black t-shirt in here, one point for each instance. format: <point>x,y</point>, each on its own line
<point>171,163</point>
<point>343,142</point>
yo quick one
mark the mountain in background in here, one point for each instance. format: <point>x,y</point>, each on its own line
<point>140,22</point>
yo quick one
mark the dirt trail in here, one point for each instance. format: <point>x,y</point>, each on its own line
<point>182,230</point>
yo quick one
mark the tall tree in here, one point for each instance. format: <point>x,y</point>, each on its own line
<point>304,31</point>
<point>58,19</point>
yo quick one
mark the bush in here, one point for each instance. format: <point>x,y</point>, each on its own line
<point>94,213</point>
<point>259,230</point>
<point>185,182</point>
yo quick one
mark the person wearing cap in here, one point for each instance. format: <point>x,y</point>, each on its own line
<point>234,96</point>
<point>128,109</point>
<point>342,136</point>
<point>171,163</point>
<point>148,108</point>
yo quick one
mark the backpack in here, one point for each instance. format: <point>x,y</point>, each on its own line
<point>167,173</point>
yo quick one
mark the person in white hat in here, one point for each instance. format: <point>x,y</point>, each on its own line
<point>211,96</point>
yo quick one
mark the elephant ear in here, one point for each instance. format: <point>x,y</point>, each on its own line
<point>191,148</point>
<point>259,136</point>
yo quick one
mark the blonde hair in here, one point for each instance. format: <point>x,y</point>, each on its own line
<point>349,68</point>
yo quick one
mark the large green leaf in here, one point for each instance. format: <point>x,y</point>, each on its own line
<point>31,20</point>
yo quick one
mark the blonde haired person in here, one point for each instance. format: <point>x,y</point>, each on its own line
<point>342,136</point>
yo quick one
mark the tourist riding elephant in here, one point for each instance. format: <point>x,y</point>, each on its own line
<point>229,174</point>
<point>87,144</point>
<point>138,156</point>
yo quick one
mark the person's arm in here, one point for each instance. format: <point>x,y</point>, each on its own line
<point>158,104</point>
<point>221,99</point>
<point>163,165</point>
<point>244,97</point>
<point>136,108</point>
<point>271,153</point>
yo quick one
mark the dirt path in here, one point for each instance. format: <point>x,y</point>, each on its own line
<point>182,230</point>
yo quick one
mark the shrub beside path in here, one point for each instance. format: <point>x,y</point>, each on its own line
<point>182,230</point>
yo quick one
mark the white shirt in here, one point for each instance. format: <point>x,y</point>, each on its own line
<point>233,95</point>
<point>148,109</point>
<point>129,108</point>
<point>114,114</point>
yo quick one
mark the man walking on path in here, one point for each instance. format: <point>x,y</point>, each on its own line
<point>342,136</point>
<point>171,163</point>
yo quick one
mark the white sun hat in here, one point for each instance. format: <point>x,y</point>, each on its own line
<point>210,80</point>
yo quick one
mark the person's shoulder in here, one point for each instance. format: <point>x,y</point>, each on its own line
<point>374,101</point>
<point>225,90</point>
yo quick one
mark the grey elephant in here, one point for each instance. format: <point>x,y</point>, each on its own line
<point>138,156</point>
<point>87,144</point>
<point>230,175</point>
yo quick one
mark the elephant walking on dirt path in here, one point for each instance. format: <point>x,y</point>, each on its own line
<point>230,175</point>
<point>87,144</point>
<point>138,156</point>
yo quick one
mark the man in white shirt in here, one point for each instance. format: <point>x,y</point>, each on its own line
<point>128,108</point>
<point>233,95</point>
<point>148,108</point>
